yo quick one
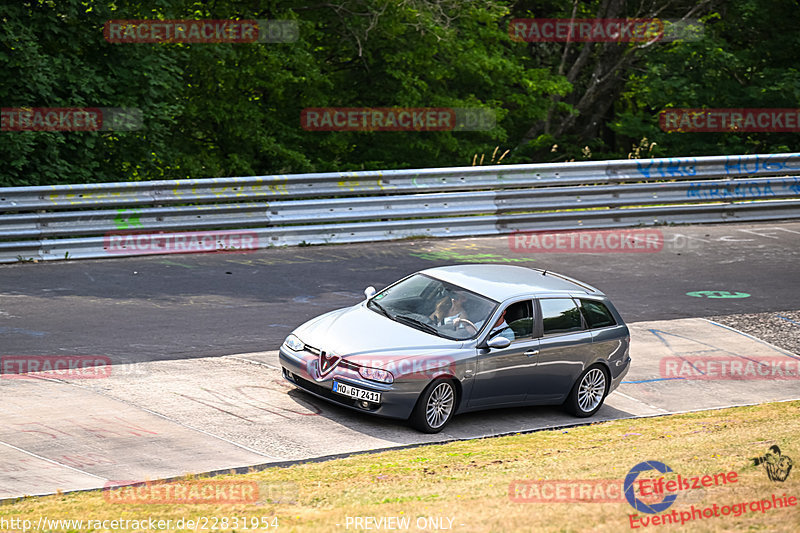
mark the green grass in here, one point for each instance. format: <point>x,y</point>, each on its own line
<point>468,481</point>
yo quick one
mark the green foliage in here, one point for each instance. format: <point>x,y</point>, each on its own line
<point>213,110</point>
<point>746,58</point>
<point>52,55</point>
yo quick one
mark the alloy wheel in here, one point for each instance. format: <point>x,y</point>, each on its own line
<point>440,405</point>
<point>591,390</point>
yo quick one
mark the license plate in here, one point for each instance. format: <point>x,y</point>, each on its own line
<point>355,392</point>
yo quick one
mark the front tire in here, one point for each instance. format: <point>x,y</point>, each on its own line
<point>435,407</point>
<point>588,393</point>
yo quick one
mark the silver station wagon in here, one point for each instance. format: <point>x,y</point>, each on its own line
<point>462,338</point>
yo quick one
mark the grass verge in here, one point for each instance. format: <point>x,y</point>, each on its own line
<point>464,486</point>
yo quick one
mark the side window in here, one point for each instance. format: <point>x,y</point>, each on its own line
<point>560,315</point>
<point>597,314</point>
<point>516,322</point>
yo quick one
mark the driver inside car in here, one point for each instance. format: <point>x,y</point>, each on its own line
<point>449,308</point>
<point>500,328</point>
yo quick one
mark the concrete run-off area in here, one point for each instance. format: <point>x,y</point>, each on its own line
<point>163,419</point>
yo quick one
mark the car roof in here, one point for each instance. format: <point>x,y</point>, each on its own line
<point>501,282</point>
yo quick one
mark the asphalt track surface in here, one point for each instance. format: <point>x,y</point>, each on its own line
<point>178,401</point>
<point>199,305</point>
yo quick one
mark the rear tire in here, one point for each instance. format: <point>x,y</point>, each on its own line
<point>435,407</point>
<point>588,393</point>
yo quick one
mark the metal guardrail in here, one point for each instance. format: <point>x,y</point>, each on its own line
<point>88,221</point>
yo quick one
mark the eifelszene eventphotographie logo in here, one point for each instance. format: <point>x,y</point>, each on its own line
<point>778,466</point>
<point>669,488</point>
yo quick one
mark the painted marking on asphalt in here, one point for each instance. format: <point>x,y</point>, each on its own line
<point>765,343</point>
<point>238,357</point>
<point>173,263</point>
<point>641,402</point>
<point>450,255</point>
<point>768,235</point>
<point>651,380</point>
<point>713,348</point>
<point>718,294</point>
<point>788,319</point>
<point>172,420</point>
<point>23,331</point>
<point>50,460</point>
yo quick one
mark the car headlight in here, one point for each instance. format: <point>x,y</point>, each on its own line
<point>293,343</point>
<point>375,374</point>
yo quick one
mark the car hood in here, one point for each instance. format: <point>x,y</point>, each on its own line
<point>361,335</point>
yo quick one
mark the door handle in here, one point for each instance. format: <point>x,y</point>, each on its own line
<point>529,353</point>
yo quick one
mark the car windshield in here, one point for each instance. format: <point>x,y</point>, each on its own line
<point>434,306</point>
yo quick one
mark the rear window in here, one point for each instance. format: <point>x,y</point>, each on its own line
<point>597,314</point>
<point>560,315</point>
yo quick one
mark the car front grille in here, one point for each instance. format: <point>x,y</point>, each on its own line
<point>344,363</point>
<point>328,394</point>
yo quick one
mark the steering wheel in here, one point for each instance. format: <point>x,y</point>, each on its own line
<point>466,323</point>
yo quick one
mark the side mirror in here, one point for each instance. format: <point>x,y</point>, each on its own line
<point>369,292</point>
<point>498,342</point>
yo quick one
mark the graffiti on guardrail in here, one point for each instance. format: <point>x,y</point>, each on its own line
<point>744,189</point>
<point>340,220</point>
<point>667,168</point>
<point>352,185</point>
<point>752,164</point>
<point>127,218</point>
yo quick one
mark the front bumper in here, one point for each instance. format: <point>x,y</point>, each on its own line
<point>397,399</point>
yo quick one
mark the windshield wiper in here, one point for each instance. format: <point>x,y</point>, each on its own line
<point>381,309</point>
<point>421,325</point>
